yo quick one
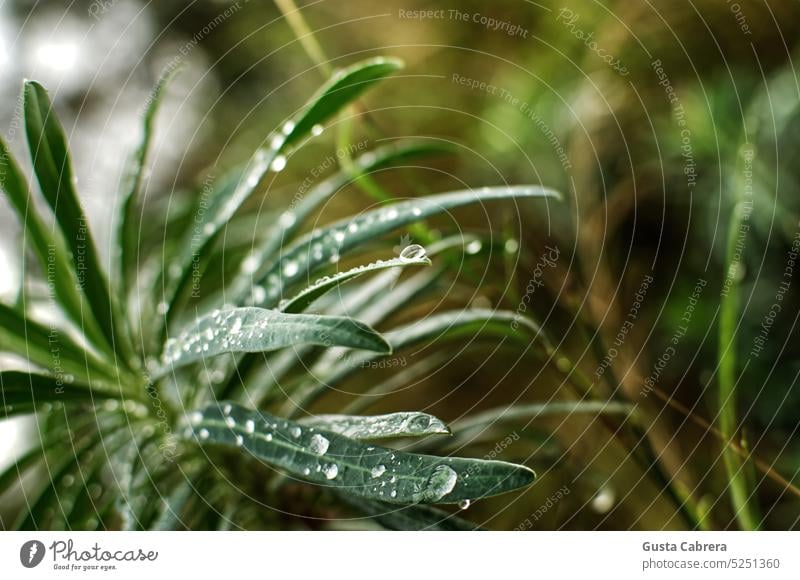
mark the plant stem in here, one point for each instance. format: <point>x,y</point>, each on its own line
<point>726,357</point>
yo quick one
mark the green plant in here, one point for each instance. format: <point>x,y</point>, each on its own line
<point>130,411</point>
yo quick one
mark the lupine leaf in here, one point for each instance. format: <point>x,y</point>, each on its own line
<point>52,165</point>
<point>49,348</point>
<point>249,329</point>
<point>47,244</point>
<point>127,239</point>
<point>292,219</point>
<point>342,89</point>
<point>403,424</point>
<point>306,297</point>
<point>328,244</point>
<point>31,390</point>
<point>374,472</point>
<point>450,324</point>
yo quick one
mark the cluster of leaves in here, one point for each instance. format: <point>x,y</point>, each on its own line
<point>130,411</point>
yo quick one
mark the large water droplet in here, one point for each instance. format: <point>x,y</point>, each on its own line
<point>474,247</point>
<point>278,163</point>
<point>440,483</point>
<point>318,444</point>
<point>330,471</point>
<point>317,130</point>
<point>250,264</point>
<point>377,471</point>
<point>290,268</point>
<point>412,252</point>
<point>464,504</point>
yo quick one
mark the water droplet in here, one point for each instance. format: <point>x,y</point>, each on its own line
<point>604,500</point>
<point>394,493</point>
<point>318,444</point>
<point>338,236</point>
<point>208,229</point>
<point>230,422</point>
<point>259,294</point>
<point>278,163</point>
<point>317,130</point>
<point>290,268</point>
<point>204,433</point>
<point>511,246</point>
<point>474,247</point>
<point>196,418</point>
<point>288,127</point>
<point>250,426</point>
<point>412,252</point>
<point>330,471</point>
<point>441,482</point>
<point>464,504</point>
<point>287,219</point>
<point>295,432</point>
<point>250,264</point>
<point>352,228</point>
<point>377,471</point>
<point>162,308</point>
<point>239,441</point>
<point>237,326</point>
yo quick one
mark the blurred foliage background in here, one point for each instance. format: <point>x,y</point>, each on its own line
<point>637,110</point>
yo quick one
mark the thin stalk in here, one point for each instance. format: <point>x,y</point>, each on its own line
<point>738,486</point>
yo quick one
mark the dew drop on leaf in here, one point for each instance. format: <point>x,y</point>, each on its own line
<point>330,471</point>
<point>412,252</point>
<point>377,471</point>
<point>318,444</point>
<point>290,268</point>
<point>278,163</point>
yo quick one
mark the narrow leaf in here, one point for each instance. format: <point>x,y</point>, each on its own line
<point>411,256</point>
<point>406,424</point>
<point>52,165</point>
<point>47,245</point>
<point>374,472</point>
<point>342,89</point>
<point>250,329</point>
<point>127,242</point>
<point>328,244</point>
